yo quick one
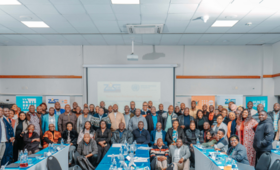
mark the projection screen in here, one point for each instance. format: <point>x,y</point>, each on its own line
<point>116,84</point>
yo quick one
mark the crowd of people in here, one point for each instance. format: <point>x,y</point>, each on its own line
<point>242,134</point>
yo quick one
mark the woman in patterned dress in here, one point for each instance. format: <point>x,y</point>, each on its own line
<point>245,130</point>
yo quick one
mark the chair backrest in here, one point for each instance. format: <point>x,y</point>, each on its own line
<point>264,162</point>
<point>53,164</point>
<point>242,166</point>
<point>275,165</point>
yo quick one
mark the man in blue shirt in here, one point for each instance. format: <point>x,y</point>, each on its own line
<point>152,119</point>
<point>58,111</point>
<point>158,133</point>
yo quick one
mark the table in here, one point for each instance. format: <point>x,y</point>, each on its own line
<point>41,164</point>
<point>106,161</point>
<point>205,162</point>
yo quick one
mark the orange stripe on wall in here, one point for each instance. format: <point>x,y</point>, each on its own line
<point>217,77</point>
<point>271,75</point>
<point>40,77</point>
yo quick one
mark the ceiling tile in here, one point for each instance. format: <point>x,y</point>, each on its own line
<point>40,40</point>
<point>57,39</point>
<point>42,2</point>
<point>21,39</point>
<point>42,9</point>
<point>153,39</point>
<point>155,1</point>
<point>88,29</point>
<point>155,17</point>
<point>246,38</point>
<point>182,8</point>
<point>15,9</point>
<point>114,39</point>
<point>44,30</point>
<point>175,27</point>
<point>76,39</point>
<point>179,17</point>
<point>227,39</point>
<point>135,18</point>
<point>170,39</point>
<point>66,2</point>
<point>126,9</point>
<point>208,39</point>
<point>185,1</point>
<point>107,26</point>
<point>102,9</point>
<point>95,39</point>
<point>70,9</point>
<point>154,9</point>
<point>236,12</point>
<point>65,29</point>
<point>189,39</point>
<point>5,30</point>
<point>102,17</point>
<point>86,2</point>
<point>129,37</point>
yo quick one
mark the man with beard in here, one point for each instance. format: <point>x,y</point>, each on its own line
<point>182,108</point>
<point>58,111</point>
<point>91,109</point>
<point>116,118</point>
<point>193,109</point>
<point>75,105</point>
<point>220,108</point>
<point>66,117</point>
<point>205,112</point>
<point>157,134</point>
<point>35,119</point>
<point>132,107</point>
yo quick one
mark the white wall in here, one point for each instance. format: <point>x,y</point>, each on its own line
<point>276,67</point>
<point>192,60</point>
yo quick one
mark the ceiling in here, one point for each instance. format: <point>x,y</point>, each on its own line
<point>99,22</point>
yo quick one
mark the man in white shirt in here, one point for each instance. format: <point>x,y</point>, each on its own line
<point>250,108</point>
<point>3,138</point>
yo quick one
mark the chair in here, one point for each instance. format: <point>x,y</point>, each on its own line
<point>264,162</point>
<point>53,164</point>
<point>275,165</point>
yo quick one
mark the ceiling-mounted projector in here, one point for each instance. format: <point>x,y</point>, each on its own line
<point>145,29</point>
<point>132,56</point>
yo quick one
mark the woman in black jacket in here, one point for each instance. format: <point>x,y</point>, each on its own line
<point>102,138</point>
<point>192,135</point>
<point>200,119</point>
<point>174,133</point>
<point>70,136</point>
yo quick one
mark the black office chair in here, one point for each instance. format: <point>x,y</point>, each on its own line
<point>53,164</point>
<point>264,162</point>
<point>275,165</point>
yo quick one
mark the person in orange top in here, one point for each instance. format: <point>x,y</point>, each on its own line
<point>231,125</point>
<point>78,111</point>
<point>51,136</point>
<point>211,114</point>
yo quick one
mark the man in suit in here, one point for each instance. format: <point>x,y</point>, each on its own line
<point>179,155</point>
<point>152,119</point>
<point>48,119</point>
<point>58,111</point>
<point>116,118</point>
<point>158,133</point>
<point>6,140</point>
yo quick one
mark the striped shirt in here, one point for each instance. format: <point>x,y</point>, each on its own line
<point>163,151</point>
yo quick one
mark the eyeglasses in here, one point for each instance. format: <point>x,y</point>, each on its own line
<point>233,141</point>
<point>145,105</point>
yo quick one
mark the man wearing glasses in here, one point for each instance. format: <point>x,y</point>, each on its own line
<point>145,111</point>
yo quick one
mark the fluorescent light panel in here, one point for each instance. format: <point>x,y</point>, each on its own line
<point>224,23</point>
<point>125,1</point>
<point>35,24</point>
<point>9,2</point>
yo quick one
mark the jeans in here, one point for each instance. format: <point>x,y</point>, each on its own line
<point>70,153</point>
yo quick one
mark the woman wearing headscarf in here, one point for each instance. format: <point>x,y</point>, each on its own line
<point>245,130</point>
<point>21,128</point>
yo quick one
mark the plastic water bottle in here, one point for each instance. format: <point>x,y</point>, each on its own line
<point>277,146</point>
<point>20,154</point>
<point>234,165</point>
<point>111,167</point>
<point>61,143</point>
<point>114,163</point>
<point>121,150</point>
<point>197,142</point>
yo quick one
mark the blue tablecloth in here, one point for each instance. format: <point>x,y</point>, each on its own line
<point>36,161</point>
<point>106,161</point>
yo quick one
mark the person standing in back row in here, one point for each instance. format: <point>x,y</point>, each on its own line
<point>193,109</point>
<point>263,136</point>
<point>168,118</point>
<point>66,117</point>
<point>116,118</point>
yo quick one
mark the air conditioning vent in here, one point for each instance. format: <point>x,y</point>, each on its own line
<point>145,29</point>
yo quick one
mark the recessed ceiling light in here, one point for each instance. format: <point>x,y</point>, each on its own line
<point>125,2</point>
<point>9,2</point>
<point>35,24</point>
<point>224,23</point>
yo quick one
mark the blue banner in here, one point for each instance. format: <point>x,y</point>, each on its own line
<point>257,100</point>
<point>25,101</point>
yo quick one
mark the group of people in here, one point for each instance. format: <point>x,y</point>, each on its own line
<point>243,134</point>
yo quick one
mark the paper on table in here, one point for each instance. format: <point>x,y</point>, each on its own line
<point>221,167</point>
<point>144,148</point>
<point>116,145</point>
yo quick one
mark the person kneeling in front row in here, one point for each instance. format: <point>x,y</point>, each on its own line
<point>88,148</point>
<point>159,155</point>
<point>179,155</point>
<point>237,151</point>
